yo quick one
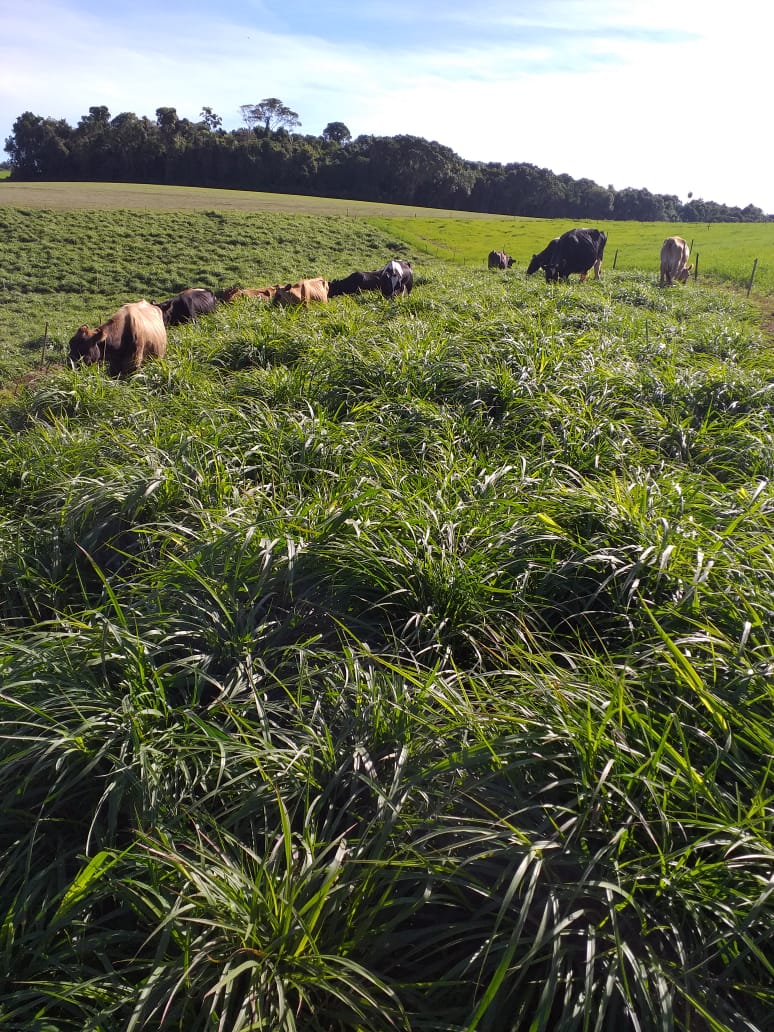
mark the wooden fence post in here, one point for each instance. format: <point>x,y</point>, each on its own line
<point>752,277</point>
<point>43,348</point>
<point>615,257</point>
<point>695,266</point>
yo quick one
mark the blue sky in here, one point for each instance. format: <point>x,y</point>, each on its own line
<point>672,95</point>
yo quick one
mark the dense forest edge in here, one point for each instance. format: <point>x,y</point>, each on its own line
<point>266,155</point>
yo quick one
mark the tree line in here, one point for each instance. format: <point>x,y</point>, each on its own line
<point>266,154</point>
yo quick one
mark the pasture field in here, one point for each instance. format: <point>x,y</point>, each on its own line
<point>63,269</point>
<point>384,664</point>
<point>60,268</point>
<point>726,250</point>
<point>149,197</point>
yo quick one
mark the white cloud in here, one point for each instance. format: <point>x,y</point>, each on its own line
<point>655,94</point>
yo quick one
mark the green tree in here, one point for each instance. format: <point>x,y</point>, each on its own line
<point>167,120</point>
<point>212,121</point>
<point>38,146</point>
<point>270,113</point>
<point>336,132</point>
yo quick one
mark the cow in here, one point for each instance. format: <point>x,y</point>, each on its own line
<point>577,250</point>
<point>355,283</point>
<point>674,261</point>
<point>545,259</point>
<point>232,293</point>
<point>499,260</point>
<point>136,332</point>
<point>185,306</point>
<point>303,292</point>
<point>396,278</point>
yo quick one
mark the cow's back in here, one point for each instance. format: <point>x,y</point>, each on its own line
<point>303,292</point>
<point>315,289</point>
<point>138,334</point>
<point>579,250</point>
<point>674,261</point>
<point>355,283</point>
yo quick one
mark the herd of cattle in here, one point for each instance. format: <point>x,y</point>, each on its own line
<point>138,330</point>
<point>580,250</point>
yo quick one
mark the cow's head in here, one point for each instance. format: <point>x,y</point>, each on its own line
<point>509,261</point>
<point>87,346</point>
<point>287,295</point>
<point>390,279</point>
<point>534,264</point>
<point>683,275</point>
<point>166,309</point>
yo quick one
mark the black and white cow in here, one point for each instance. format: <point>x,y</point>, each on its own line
<point>396,278</point>
<point>355,283</point>
<point>577,250</point>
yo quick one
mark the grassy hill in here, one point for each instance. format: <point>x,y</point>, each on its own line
<point>382,665</point>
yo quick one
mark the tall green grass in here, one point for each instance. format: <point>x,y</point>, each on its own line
<point>395,665</point>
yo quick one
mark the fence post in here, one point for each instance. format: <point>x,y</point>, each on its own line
<point>615,257</point>
<point>43,348</point>
<point>695,266</point>
<point>752,277</point>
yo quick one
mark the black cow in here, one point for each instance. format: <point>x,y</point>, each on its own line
<point>355,283</point>
<point>577,250</point>
<point>185,306</point>
<point>499,260</point>
<point>396,278</point>
<point>545,259</point>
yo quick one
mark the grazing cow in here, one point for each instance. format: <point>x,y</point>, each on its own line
<point>577,250</point>
<point>185,306</point>
<point>396,278</point>
<point>499,260</point>
<point>232,293</point>
<point>674,261</point>
<point>355,283</point>
<point>303,292</point>
<point>545,259</point>
<point>133,334</point>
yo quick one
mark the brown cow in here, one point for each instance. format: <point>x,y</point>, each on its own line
<point>135,333</point>
<point>674,261</point>
<point>499,260</point>
<point>303,292</point>
<point>232,293</point>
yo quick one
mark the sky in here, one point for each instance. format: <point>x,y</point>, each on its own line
<point>670,95</point>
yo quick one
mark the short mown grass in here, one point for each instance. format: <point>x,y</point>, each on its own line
<point>395,665</point>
